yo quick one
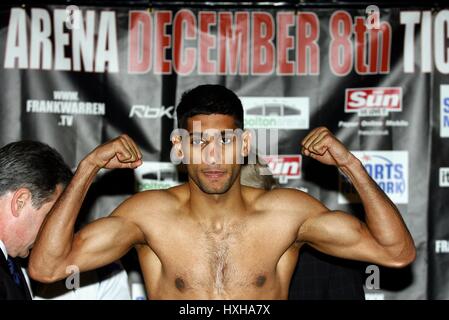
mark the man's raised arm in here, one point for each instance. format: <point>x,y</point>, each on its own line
<point>383,238</point>
<point>100,242</point>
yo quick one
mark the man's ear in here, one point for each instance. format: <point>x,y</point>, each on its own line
<point>246,143</point>
<point>176,140</point>
<point>20,199</point>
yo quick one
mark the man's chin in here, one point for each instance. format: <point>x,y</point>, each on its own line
<point>211,191</point>
<point>213,186</point>
<point>24,254</point>
<point>214,189</point>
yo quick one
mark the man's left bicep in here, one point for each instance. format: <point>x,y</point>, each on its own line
<point>342,235</point>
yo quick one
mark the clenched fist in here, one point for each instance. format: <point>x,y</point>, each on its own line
<point>121,152</point>
<point>322,145</point>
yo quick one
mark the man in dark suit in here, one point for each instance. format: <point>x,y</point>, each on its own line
<point>12,281</point>
<point>32,176</point>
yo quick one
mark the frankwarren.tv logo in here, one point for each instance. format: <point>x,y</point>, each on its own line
<point>389,169</point>
<point>373,101</point>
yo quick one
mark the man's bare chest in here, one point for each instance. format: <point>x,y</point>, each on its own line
<point>220,258</point>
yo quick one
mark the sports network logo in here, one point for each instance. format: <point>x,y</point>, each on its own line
<point>389,169</point>
<point>444,111</point>
<point>367,102</point>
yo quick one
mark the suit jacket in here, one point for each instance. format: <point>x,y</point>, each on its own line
<point>9,290</point>
<point>321,277</point>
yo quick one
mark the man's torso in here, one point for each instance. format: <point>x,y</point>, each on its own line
<point>249,256</point>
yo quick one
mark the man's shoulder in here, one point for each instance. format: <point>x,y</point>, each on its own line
<point>283,196</point>
<point>152,202</point>
<point>287,199</point>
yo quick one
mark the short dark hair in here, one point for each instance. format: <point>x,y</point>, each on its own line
<point>35,166</point>
<point>209,99</point>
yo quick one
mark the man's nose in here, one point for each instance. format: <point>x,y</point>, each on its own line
<point>213,152</point>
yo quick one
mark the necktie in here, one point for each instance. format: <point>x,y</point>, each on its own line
<point>14,272</point>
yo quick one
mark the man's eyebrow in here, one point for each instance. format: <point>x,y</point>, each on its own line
<point>222,132</point>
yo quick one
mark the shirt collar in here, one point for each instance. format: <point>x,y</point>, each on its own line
<point>3,249</point>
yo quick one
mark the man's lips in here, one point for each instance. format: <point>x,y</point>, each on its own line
<point>214,174</point>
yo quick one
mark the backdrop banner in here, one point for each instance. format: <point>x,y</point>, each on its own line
<point>77,76</point>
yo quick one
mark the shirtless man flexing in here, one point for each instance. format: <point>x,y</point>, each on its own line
<point>212,237</point>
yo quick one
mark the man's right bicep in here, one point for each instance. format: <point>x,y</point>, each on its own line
<point>102,242</point>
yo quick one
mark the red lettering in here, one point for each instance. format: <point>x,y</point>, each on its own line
<point>308,51</point>
<point>233,52</point>
<point>140,42</point>
<point>162,42</point>
<point>360,44</point>
<point>184,29</point>
<point>206,42</point>
<point>341,55</point>
<point>385,31</point>
<point>284,42</point>
<point>262,46</point>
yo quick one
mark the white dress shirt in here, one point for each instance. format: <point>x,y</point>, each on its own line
<point>3,248</point>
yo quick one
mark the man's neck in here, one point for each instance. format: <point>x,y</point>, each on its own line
<point>216,207</point>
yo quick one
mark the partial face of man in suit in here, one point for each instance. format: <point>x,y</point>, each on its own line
<point>32,177</point>
<point>20,220</point>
